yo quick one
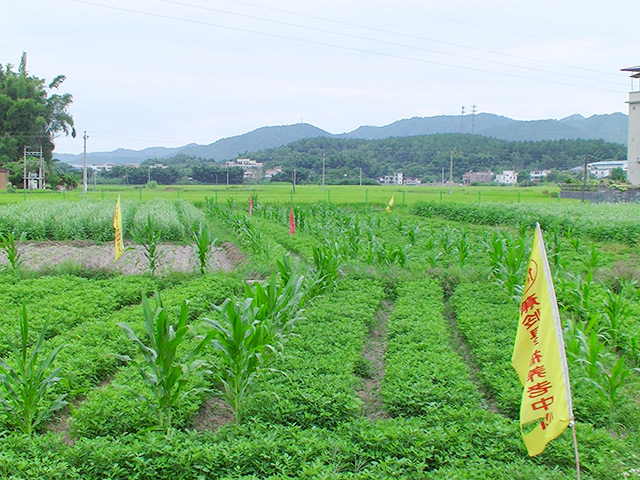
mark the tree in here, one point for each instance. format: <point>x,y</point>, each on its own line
<point>30,115</point>
<point>618,175</point>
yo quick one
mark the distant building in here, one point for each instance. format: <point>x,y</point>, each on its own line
<point>477,177</point>
<point>272,172</point>
<point>252,169</point>
<point>536,176</point>
<point>508,177</point>
<point>395,179</point>
<point>604,169</point>
<point>633,145</point>
<point>413,181</point>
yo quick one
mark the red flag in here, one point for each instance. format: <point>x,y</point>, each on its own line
<point>250,204</point>
<point>292,222</point>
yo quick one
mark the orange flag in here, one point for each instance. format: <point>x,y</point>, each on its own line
<point>292,222</point>
<point>250,204</point>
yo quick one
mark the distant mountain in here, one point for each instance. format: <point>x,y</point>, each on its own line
<point>265,137</point>
<point>221,150</point>
<point>610,128</point>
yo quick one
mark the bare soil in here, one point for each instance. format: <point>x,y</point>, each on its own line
<point>181,258</point>
<point>373,354</point>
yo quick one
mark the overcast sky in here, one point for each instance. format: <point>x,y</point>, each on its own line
<point>166,73</point>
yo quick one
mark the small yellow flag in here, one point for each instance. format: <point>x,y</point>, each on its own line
<point>539,357</point>
<point>390,204</point>
<point>117,226</point>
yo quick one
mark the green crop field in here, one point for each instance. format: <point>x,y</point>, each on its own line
<point>366,345</point>
<point>283,193</point>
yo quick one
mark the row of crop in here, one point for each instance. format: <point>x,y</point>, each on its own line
<point>61,221</point>
<point>116,407</point>
<point>602,222</point>
<point>87,333</point>
<point>487,319</point>
<point>315,382</point>
<point>423,374</point>
<point>66,302</point>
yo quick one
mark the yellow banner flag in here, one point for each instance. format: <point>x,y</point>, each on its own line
<point>539,357</point>
<point>117,226</point>
<point>391,202</point>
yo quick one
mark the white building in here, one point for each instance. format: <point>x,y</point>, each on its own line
<point>633,146</point>
<point>604,169</point>
<point>538,175</point>
<point>252,169</point>
<point>509,177</point>
<point>271,172</point>
<point>395,179</point>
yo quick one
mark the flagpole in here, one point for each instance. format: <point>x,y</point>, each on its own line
<point>563,355</point>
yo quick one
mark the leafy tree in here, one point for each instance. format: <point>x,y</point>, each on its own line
<point>30,115</point>
<point>165,176</point>
<point>618,175</point>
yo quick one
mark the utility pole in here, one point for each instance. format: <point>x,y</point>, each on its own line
<point>473,119</point>
<point>293,180</point>
<point>323,160</point>
<point>84,165</point>
<point>584,179</point>
<point>451,174</point>
<point>24,176</point>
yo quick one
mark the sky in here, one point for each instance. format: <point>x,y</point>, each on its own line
<point>147,73</point>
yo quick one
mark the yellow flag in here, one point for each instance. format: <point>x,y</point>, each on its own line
<point>117,226</point>
<point>391,202</point>
<point>539,357</point>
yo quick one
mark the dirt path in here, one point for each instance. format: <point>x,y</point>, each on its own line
<point>181,258</point>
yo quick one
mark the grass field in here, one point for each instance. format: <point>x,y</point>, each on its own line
<point>282,193</point>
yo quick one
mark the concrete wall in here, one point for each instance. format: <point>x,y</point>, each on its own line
<point>633,149</point>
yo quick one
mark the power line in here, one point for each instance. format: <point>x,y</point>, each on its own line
<point>376,40</point>
<point>342,47</point>
<point>415,37</point>
<point>512,32</point>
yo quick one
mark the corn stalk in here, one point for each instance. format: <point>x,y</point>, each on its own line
<point>25,381</point>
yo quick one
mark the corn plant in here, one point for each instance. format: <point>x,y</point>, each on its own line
<point>591,353</point>
<point>25,379</point>
<point>203,244</point>
<point>326,262</point>
<point>447,241</point>
<point>508,259</point>
<point>148,236</point>
<point>609,385</point>
<point>616,311</point>
<point>11,247</point>
<point>248,335</point>
<point>161,369</point>
<point>576,294</point>
<point>462,248</point>
<point>591,262</point>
